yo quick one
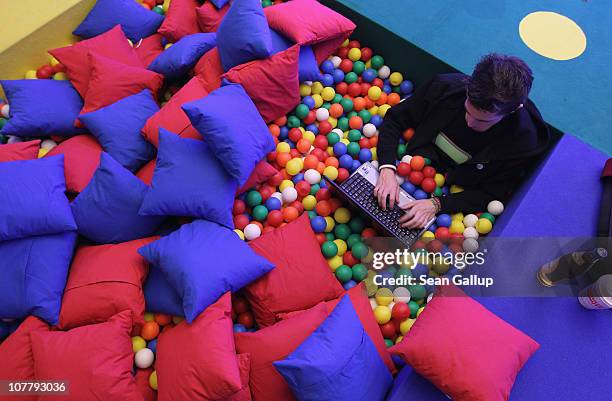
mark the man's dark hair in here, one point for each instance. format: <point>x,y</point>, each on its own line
<point>499,83</point>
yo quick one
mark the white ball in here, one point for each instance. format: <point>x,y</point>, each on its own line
<point>406,159</point>
<point>278,196</point>
<point>252,231</point>
<point>339,132</point>
<point>470,232</point>
<point>336,61</point>
<point>322,114</point>
<point>400,180</point>
<point>470,245</point>
<point>289,194</point>
<point>401,294</point>
<point>373,303</point>
<point>374,163</point>
<point>470,220</point>
<point>429,297</point>
<point>308,83</point>
<point>384,72</point>
<point>48,144</point>
<point>144,358</point>
<point>369,130</point>
<point>495,207</point>
<point>14,139</point>
<point>312,176</point>
<point>5,111</point>
<point>390,306</point>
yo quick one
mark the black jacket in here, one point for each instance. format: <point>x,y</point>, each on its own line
<point>492,173</point>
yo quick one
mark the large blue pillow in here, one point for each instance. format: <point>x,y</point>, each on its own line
<point>106,211</point>
<point>117,128</point>
<point>219,3</point>
<point>178,59</point>
<point>33,274</point>
<point>243,35</point>
<point>234,129</point>
<point>160,296</point>
<point>203,260</point>
<point>137,22</point>
<point>308,68</point>
<point>337,362</point>
<point>41,107</point>
<point>33,199</point>
<point>188,180</point>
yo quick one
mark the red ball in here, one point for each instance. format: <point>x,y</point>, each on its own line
<point>59,68</point>
<point>418,245</point>
<point>346,65</point>
<point>435,245</point>
<point>343,52</point>
<point>355,122</point>
<point>323,194</point>
<point>246,319</point>
<point>319,153</point>
<point>354,43</point>
<point>271,156</point>
<point>354,89</point>
<point>295,134</point>
<point>44,72</point>
<point>388,330</point>
<point>323,208</point>
<point>266,191</point>
<point>415,177</point>
<point>369,232</point>
<point>239,207</point>
<point>275,218</point>
<point>428,184</point>
<point>456,238</point>
<point>321,142</point>
<point>240,305</point>
<point>298,206</point>
<point>442,234</point>
<point>348,259</point>
<point>302,188</point>
<point>366,54</point>
<point>365,87</point>
<point>342,88</point>
<point>325,127</point>
<point>429,172</point>
<point>267,229</point>
<point>364,143</point>
<point>294,153</point>
<point>310,118</point>
<point>403,169</point>
<point>343,174</point>
<point>303,146</point>
<point>276,179</point>
<point>378,82</point>
<point>321,238</point>
<point>455,248</point>
<point>241,221</point>
<point>417,163</point>
<point>335,204</point>
<point>400,311</point>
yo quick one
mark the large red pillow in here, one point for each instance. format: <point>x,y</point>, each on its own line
<point>142,382</point>
<point>96,361</point>
<point>272,344</point>
<point>112,44</point>
<point>146,172</point>
<point>111,81</point>
<point>465,350</point>
<point>103,281</point>
<point>81,160</point>
<point>210,70</point>
<point>272,83</point>
<point>198,360</point>
<point>149,48</point>
<point>244,394</point>
<point>19,151</point>
<point>172,117</point>
<point>263,172</point>
<point>180,20</point>
<point>16,355</point>
<point>362,306</point>
<point>302,277</point>
<point>209,17</point>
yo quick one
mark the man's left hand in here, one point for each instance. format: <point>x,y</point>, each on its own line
<point>418,213</point>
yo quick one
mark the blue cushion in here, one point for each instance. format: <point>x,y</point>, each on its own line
<point>137,22</point>
<point>203,260</point>
<point>243,35</point>
<point>117,128</point>
<point>107,209</point>
<point>337,362</point>
<point>160,296</point>
<point>239,143</point>
<point>32,198</point>
<point>307,64</point>
<point>189,181</point>
<point>41,107</point>
<point>178,59</point>
<point>33,274</point>
<point>219,3</point>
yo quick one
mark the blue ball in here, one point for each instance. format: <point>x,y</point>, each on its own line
<point>346,161</point>
<point>406,87</point>
<point>386,82</point>
<point>338,75</point>
<point>355,166</point>
<point>239,328</point>
<point>369,75</point>
<point>318,224</point>
<point>420,270</point>
<point>444,190</point>
<point>312,128</point>
<point>309,101</point>
<point>452,272</point>
<point>322,184</point>
<point>339,149</point>
<point>365,155</point>
<point>432,227</point>
<point>152,345</point>
<point>297,178</point>
<point>408,187</point>
<point>376,120</point>
<point>349,284</point>
<point>284,133</point>
<point>273,203</point>
<point>387,89</point>
<point>443,220</point>
<point>420,194</point>
<point>327,66</point>
<point>327,80</point>
<point>291,143</point>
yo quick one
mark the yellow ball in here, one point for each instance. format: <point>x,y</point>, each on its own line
<point>342,215</point>
<point>335,262</point>
<point>328,93</point>
<point>318,100</point>
<point>317,88</point>
<point>283,147</point>
<point>428,236</point>
<point>294,166</point>
<point>421,309</point>
<point>305,90</point>
<point>384,296</point>
<point>30,74</point>
<point>345,141</point>
<point>138,343</point>
<point>439,179</point>
<point>333,121</point>
<point>456,227</point>
<point>330,151</point>
<point>368,64</point>
<point>374,93</point>
<point>60,76</point>
<point>354,54</point>
<point>153,380</point>
<point>345,43</point>
<point>399,339</point>
<point>382,110</point>
<point>309,202</point>
<point>330,224</point>
<point>342,247</point>
<point>374,153</point>
<point>373,110</point>
<point>309,136</point>
<point>149,317</point>
<point>382,314</point>
<point>239,233</point>
<point>285,184</point>
<point>331,172</point>
<point>166,5</point>
<point>396,78</point>
<point>177,319</point>
<point>42,152</point>
<point>484,226</point>
<point>457,216</point>
<point>455,189</point>
<point>53,61</point>
<point>167,46</point>
<point>406,325</point>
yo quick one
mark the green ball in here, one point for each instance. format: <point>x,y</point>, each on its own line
<point>403,272</point>
<point>312,214</point>
<point>314,188</point>
<point>253,198</point>
<point>266,3</point>
<point>417,291</point>
<point>293,122</point>
<point>158,9</point>
<point>414,307</point>
<point>351,114</point>
<point>342,231</point>
<point>352,240</point>
<point>350,77</point>
<point>388,343</point>
<point>347,105</point>
<point>330,236</point>
<point>353,149</point>
<point>427,161</point>
<point>360,272</point>
<point>333,138</point>
<point>365,116</point>
<point>397,89</point>
<point>354,135</point>
<point>301,111</point>
<point>343,123</point>
<point>329,249</point>
<point>343,273</point>
<point>437,191</point>
<point>401,150</point>
<point>359,250</point>
<point>260,212</point>
<point>2,122</point>
<point>326,105</point>
<point>488,216</point>
<point>357,224</point>
<point>377,62</point>
<point>358,67</point>
<point>337,98</point>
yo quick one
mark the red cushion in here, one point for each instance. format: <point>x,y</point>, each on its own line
<point>172,117</point>
<point>149,48</point>
<point>81,159</point>
<point>209,17</point>
<point>112,44</point>
<point>146,172</point>
<point>362,306</point>
<point>142,382</point>
<point>16,355</point>
<point>465,350</point>
<point>263,172</point>
<point>95,360</point>
<point>111,81</point>
<point>302,277</point>
<point>198,360</point>
<point>180,20</point>
<point>272,344</point>
<point>210,70</point>
<point>244,394</point>
<point>272,84</point>
<point>19,151</point>
<point>103,281</point>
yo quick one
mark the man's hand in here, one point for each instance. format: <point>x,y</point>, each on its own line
<point>418,213</point>
<point>387,187</point>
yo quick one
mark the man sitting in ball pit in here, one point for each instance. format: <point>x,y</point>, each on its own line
<point>481,130</point>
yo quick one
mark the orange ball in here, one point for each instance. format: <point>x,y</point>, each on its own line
<point>355,122</point>
<point>162,319</point>
<point>369,103</point>
<point>283,158</point>
<point>303,146</point>
<point>393,98</point>
<point>281,121</point>
<point>323,208</point>
<point>150,330</point>
<point>274,130</point>
<point>332,161</point>
<point>382,99</point>
<point>373,141</point>
<point>290,213</point>
<point>335,110</point>
<point>359,103</point>
<point>417,163</point>
<point>321,167</point>
<point>310,162</point>
<point>408,134</point>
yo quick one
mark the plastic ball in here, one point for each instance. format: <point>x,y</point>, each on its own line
<point>252,231</point>
<point>144,358</point>
<point>253,198</point>
<point>334,262</point>
<point>454,189</point>
<point>329,249</point>
<point>456,227</point>
<point>382,314</point>
<point>417,163</point>
<point>239,328</point>
<point>149,330</point>
<point>138,343</point>
<point>428,185</point>
<point>484,226</point>
<point>383,72</point>
<point>470,245</point>
<point>342,215</point>
<point>400,311</point>
<point>495,207</point>
<point>342,247</point>
<point>312,176</point>
<point>273,203</point>
<point>406,325</point>
<point>396,78</point>
<point>401,295</point>
<point>359,272</point>
<point>384,296</point>
<point>5,111</point>
<point>343,273</point>
<point>309,202</point>
<point>290,213</point>
<point>470,220</point>
<point>470,232</point>
<point>289,194</point>
<point>359,250</point>
<point>48,144</point>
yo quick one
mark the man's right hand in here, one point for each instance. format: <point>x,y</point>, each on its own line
<point>387,187</point>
